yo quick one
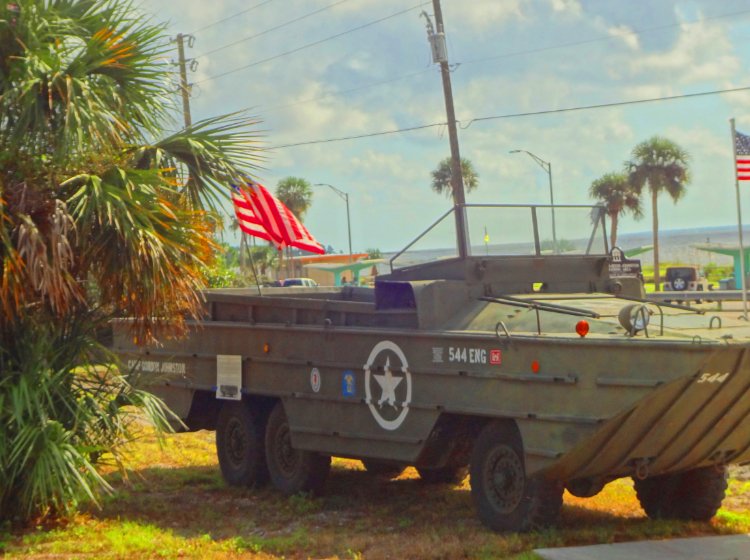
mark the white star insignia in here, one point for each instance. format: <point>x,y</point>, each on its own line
<point>388,384</point>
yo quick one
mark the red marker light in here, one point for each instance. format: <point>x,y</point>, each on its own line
<point>266,348</point>
<point>535,366</point>
<point>582,328</point>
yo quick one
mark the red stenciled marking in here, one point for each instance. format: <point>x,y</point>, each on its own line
<point>496,357</point>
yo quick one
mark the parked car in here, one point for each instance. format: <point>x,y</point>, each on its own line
<point>303,282</point>
<point>685,278</point>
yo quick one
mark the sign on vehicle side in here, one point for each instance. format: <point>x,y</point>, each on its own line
<point>466,355</point>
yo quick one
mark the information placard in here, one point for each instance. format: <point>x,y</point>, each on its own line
<point>229,377</point>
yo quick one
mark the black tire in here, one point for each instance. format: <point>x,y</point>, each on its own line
<point>382,469</point>
<point>292,470</point>
<point>240,445</point>
<point>442,475</point>
<point>505,499</point>
<point>694,495</point>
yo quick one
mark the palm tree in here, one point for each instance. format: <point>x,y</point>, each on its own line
<point>441,177</point>
<point>661,165</point>
<point>296,194</point>
<point>616,193</point>
<point>97,220</point>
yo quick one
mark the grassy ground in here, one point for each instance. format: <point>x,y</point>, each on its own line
<point>176,505</point>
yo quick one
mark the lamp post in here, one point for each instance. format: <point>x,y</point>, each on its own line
<point>345,197</point>
<point>547,166</point>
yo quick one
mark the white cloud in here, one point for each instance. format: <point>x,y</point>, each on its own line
<point>626,34</point>
<point>702,52</point>
<point>568,7</point>
<point>482,15</point>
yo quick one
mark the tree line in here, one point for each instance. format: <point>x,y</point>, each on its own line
<point>656,166</point>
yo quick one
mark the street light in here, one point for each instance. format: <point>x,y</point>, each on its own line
<point>547,166</point>
<point>345,197</point>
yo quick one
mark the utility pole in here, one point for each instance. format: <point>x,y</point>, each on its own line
<point>440,55</point>
<point>184,86</point>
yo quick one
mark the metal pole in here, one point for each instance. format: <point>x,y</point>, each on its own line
<point>184,87</point>
<point>348,226</point>
<point>547,166</point>
<point>457,182</point>
<point>345,197</point>
<point>552,203</point>
<point>743,281</point>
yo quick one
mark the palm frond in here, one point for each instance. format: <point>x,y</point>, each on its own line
<point>142,245</point>
<point>213,152</point>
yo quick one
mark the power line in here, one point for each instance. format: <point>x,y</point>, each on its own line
<point>518,115</point>
<point>603,38</point>
<point>368,135</point>
<point>345,91</point>
<point>250,9</point>
<point>307,46</point>
<point>504,55</point>
<point>250,37</point>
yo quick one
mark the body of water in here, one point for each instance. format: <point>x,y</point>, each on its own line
<point>674,246</point>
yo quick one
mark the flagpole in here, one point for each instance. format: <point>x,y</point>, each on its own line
<point>252,264</point>
<point>743,280</point>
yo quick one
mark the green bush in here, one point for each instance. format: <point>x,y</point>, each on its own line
<point>58,419</point>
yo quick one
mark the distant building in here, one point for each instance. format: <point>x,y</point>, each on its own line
<point>334,269</point>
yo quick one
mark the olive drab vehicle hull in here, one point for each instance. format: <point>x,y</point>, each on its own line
<point>536,371</point>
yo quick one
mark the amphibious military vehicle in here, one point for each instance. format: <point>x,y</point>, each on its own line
<point>534,363</point>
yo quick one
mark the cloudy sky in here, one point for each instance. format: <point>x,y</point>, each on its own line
<point>316,70</point>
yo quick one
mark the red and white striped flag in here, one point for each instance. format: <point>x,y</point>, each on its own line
<point>263,215</point>
<point>246,218</point>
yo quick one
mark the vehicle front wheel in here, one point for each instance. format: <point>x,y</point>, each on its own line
<point>240,445</point>
<point>694,495</point>
<point>292,470</point>
<point>505,499</point>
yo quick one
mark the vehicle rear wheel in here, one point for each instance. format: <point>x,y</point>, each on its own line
<point>382,469</point>
<point>505,499</point>
<point>693,495</point>
<point>292,470</point>
<point>240,445</point>
<point>442,475</point>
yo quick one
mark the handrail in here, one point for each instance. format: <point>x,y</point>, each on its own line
<point>532,207</point>
<point>421,235</point>
<point>542,306</point>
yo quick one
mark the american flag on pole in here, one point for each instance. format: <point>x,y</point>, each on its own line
<point>742,149</point>
<point>246,218</point>
<point>261,214</point>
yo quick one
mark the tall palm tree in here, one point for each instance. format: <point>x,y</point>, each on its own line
<point>97,219</point>
<point>617,195</point>
<point>441,177</point>
<point>296,194</point>
<point>661,165</point>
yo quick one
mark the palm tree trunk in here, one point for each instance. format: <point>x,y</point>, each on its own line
<point>613,233</point>
<point>655,225</point>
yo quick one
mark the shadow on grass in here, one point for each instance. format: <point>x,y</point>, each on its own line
<point>358,512</point>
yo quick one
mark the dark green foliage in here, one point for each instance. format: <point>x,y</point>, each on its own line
<point>618,196</point>
<point>58,418</point>
<point>100,217</point>
<point>441,177</point>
